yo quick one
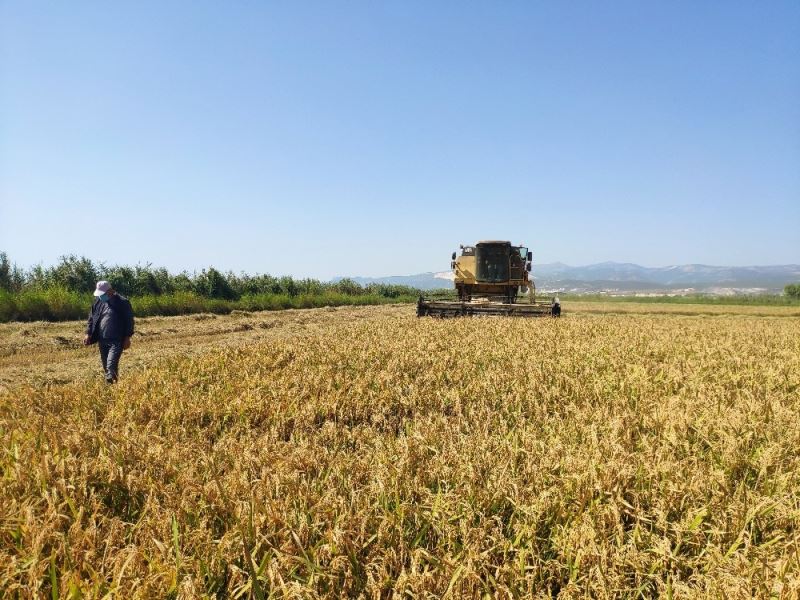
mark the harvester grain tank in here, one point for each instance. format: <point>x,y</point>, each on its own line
<point>488,279</point>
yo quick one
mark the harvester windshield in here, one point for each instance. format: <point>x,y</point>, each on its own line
<point>491,263</point>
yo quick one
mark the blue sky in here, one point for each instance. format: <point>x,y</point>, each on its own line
<point>318,139</point>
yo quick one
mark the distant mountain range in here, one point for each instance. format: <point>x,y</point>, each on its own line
<point>629,278</point>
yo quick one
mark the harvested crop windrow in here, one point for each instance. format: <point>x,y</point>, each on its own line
<point>613,455</point>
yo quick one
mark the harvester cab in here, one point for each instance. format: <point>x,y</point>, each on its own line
<point>488,278</point>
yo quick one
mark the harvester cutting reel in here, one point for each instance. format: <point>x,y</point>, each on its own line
<point>455,308</point>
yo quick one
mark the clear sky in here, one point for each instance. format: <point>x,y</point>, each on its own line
<point>371,138</point>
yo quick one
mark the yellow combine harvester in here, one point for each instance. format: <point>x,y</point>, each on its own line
<point>488,278</point>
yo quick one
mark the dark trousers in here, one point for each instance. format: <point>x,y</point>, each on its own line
<point>110,353</point>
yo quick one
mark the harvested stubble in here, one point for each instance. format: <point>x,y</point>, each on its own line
<point>612,456</point>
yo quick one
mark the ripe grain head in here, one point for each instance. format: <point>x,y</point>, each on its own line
<point>613,456</point>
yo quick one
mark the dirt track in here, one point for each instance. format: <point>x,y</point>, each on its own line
<point>52,353</point>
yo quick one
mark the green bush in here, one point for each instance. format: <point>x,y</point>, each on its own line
<point>64,291</point>
<point>79,274</point>
<point>54,304</point>
<point>8,306</point>
<point>60,304</point>
<point>178,303</point>
<point>63,304</point>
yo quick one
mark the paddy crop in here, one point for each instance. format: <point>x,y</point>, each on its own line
<point>611,455</point>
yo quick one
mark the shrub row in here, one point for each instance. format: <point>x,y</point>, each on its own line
<point>79,274</point>
<point>59,304</point>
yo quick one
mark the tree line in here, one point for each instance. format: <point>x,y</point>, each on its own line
<point>80,274</point>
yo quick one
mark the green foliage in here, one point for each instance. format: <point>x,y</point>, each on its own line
<point>141,280</point>
<point>391,291</point>
<point>73,273</point>
<point>213,284</point>
<point>64,290</point>
<point>53,304</point>
<point>59,304</point>
<point>5,272</point>
<point>347,286</point>
<point>12,277</point>
<point>792,291</point>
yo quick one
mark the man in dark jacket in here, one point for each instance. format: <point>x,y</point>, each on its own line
<point>556,311</point>
<point>110,324</point>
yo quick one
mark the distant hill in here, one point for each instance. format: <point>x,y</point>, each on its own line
<point>422,281</point>
<point>630,278</point>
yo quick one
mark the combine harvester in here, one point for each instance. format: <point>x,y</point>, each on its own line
<point>488,277</point>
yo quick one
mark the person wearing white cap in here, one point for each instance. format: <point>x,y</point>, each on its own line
<point>110,325</point>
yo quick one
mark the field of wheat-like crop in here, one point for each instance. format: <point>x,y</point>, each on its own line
<point>622,455</point>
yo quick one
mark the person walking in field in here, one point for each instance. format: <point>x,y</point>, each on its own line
<point>110,324</point>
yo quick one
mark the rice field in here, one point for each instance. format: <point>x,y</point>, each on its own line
<point>636,451</point>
